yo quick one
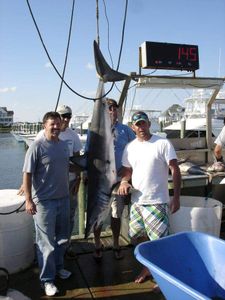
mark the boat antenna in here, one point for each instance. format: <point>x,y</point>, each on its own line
<point>66,57</point>
<point>219,65</point>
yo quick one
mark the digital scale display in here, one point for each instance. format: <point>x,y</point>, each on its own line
<point>156,55</point>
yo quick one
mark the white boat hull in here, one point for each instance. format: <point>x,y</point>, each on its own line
<point>197,124</point>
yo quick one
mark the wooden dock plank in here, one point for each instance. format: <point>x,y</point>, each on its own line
<point>109,279</point>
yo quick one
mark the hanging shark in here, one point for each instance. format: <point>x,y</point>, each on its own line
<point>100,158</point>
<point>101,167</point>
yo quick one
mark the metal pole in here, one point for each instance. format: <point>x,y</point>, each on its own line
<point>182,128</point>
<point>122,98</point>
<point>81,204</point>
<point>209,118</point>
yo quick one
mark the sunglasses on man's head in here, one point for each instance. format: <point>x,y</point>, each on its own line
<point>113,107</point>
<point>66,116</point>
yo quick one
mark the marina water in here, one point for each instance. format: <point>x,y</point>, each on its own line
<point>12,156</point>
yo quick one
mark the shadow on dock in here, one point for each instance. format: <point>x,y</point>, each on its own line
<point>108,279</point>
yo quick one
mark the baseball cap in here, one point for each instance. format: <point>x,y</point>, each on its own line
<point>64,109</point>
<point>111,102</point>
<point>139,116</point>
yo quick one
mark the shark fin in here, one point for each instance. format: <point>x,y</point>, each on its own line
<point>105,72</point>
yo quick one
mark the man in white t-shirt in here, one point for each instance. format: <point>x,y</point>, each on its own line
<point>146,162</point>
<point>74,145</point>
<point>220,143</point>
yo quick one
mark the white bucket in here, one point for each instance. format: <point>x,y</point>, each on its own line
<point>16,233</point>
<point>197,214</point>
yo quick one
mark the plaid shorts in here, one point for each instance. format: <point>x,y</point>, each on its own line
<point>150,220</point>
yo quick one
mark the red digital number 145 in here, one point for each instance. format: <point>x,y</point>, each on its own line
<point>187,53</point>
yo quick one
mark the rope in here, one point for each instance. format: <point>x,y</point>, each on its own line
<point>97,23</point>
<point>108,38</point>
<point>107,20</point>
<point>122,39</point>
<point>67,51</point>
<point>53,65</point>
<point>85,280</point>
<point>17,210</point>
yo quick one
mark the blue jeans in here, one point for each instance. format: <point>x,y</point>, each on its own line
<point>52,233</point>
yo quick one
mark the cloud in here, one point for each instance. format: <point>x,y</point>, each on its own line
<point>90,66</point>
<point>8,89</point>
<point>48,65</point>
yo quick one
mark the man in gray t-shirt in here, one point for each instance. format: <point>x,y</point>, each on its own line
<point>45,182</point>
<point>74,145</point>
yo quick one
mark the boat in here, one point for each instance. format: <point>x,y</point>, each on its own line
<point>152,114</point>
<point>173,114</point>
<point>81,126</point>
<point>78,120</point>
<point>17,136</point>
<point>25,131</point>
<point>28,138</point>
<point>194,114</point>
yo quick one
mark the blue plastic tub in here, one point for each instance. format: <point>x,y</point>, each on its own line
<point>187,265</point>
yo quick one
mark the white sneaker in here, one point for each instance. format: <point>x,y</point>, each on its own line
<point>50,289</point>
<point>63,274</point>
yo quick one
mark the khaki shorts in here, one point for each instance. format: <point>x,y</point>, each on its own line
<point>117,205</point>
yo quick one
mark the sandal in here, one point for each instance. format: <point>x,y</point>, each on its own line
<point>117,253</point>
<point>98,253</point>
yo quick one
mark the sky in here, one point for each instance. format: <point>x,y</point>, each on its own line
<point>29,84</point>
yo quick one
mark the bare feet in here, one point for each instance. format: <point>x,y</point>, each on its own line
<point>144,275</point>
<point>117,253</point>
<point>98,253</point>
<point>156,289</point>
